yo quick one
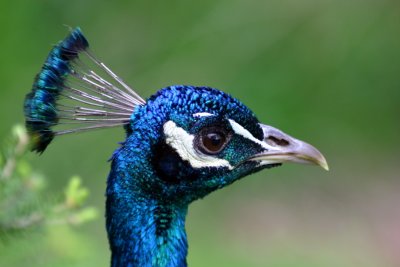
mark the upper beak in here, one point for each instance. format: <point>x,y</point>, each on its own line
<point>281,147</point>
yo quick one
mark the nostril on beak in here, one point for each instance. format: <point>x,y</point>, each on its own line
<point>274,141</point>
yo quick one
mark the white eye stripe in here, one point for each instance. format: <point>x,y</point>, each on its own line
<point>182,143</point>
<point>202,114</point>
<point>240,130</point>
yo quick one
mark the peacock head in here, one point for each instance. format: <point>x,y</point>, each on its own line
<point>182,143</point>
<point>199,139</point>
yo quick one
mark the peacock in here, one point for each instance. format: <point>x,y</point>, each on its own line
<point>182,143</point>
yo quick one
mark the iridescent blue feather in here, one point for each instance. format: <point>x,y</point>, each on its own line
<point>65,79</point>
<point>40,104</point>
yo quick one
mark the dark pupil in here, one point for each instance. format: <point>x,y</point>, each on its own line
<point>213,141</point>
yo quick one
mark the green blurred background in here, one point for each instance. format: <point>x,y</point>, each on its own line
<point>325,71</point>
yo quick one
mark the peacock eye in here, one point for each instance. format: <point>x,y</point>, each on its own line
<point>212,140</point>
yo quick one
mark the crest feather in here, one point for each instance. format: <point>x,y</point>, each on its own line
<point>68,96</point>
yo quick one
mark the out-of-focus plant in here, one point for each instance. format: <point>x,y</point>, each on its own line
<point>24,204</point>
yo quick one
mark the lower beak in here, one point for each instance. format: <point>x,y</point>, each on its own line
<point>281,147</point>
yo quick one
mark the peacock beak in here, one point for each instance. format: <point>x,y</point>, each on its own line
<point>281,147</point>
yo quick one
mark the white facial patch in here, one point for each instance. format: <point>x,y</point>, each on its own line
<point>182,142</point>
<point>240,130</point>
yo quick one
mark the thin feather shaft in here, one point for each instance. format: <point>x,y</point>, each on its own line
<point>97,126</point>
<point>115,77</point>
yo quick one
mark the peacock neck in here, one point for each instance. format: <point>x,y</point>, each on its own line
<point>142,231</point>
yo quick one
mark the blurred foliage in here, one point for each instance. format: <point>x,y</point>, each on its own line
<point>324,71</point>
<point>23,204</point>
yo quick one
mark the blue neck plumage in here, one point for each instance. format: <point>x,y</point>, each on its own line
<point>145,232</point>
<point>143,229</point>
